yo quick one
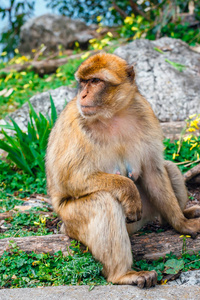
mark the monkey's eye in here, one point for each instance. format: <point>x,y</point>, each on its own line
<point>95,80</point>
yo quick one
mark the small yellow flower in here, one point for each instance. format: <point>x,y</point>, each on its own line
<point>33,50</point>
<point>23,73</point>
<point>99,18</point>
<point>192,116</point>
<point>43,220</point>
<point>26,85</point>
<point>59,74</point>
<point>16,51</point>
<point>85,55</point>
<point>128,20</point>
<point>77,44</point>
<point>9,76</point>
<point>92,41</point>
<point>187,138</point>
<point>4,53</point>
<point>20,190</point>
<point>109,34</point>
<point>191,129</point>
<point>193,146</point>
<point>174,155</point>
<point>36,223</point>
<point>99,30</point>
<point>134,28</point>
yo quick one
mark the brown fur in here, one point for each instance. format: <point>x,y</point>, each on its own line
<point>106,133</point>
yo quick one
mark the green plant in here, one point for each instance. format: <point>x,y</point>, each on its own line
<point>17,87</point>
<point>22,224</point>
<point>27,150</point>
<point>20,269</point>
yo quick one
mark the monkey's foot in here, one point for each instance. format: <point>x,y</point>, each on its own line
<point>190,227</point>
<point>141,279</point>
<point>192,212</point>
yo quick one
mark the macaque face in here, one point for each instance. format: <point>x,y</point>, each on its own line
<point>105,83</point>
<point>90,97</point>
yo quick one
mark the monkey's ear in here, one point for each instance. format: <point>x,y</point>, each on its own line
<point>130,72</point>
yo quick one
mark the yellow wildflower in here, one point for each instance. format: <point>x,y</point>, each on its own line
<point>134,28</point>
<point>191,129</point>
<point>192,116</point>
<point>128,20</point>
<point>193,146</point>
<point>16,51</point>
<point>43,220</point>
<point>33,50</point>
<point>85,55</point>
<point>99,18</point>
<point>194,124</point>
<point>9,76</point>
<point>99,30</point>
<point>109,34</point>
<point>4,53</point>
<point>174,155</point>
<point>26,85</point>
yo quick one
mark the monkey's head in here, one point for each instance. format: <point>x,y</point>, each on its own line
<point>106,85</point>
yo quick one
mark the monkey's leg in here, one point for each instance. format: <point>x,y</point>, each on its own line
<point>180,190</point>
<point>98,221</point>
<point>161,194</point>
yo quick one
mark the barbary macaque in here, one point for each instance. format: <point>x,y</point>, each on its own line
<point>105,169</point>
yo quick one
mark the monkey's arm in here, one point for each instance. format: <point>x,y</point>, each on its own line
<point>76,186</point>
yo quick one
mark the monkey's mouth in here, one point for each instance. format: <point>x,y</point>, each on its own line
<point>89,110</point>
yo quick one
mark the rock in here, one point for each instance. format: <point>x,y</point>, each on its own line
<point>41,103</point>
<point>173,94</point>
<point>52,31</point>
<point>187,278</point>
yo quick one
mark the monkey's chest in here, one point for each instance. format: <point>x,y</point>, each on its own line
<point>121,165</point>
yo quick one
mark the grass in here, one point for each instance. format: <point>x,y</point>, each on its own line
<point>23,85</point>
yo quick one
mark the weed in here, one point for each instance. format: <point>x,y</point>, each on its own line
<point>19,269</point>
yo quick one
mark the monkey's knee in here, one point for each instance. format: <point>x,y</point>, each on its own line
<point>192,212</point>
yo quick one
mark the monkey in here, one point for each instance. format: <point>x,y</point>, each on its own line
<point>106,174</point>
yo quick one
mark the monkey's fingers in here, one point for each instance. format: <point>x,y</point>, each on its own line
<point>146,279</point>
<point>133,217</point>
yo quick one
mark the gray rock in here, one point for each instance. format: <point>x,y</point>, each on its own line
<point>187,278</point>
<point>173,95</point>
<point>41,103</point>
<point>53,30</point>
<point>110,292</point>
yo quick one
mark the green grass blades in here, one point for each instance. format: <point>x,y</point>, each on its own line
<point>27,149</point>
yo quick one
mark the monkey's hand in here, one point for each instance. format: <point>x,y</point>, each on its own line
<point>131,203</point>
<point>132,210</point>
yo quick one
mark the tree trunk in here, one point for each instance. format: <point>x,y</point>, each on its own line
<point>149,246</point>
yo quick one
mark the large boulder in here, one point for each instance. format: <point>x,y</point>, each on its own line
<point>41,103</point>
<point>53,30</point>
<point>173,91</point>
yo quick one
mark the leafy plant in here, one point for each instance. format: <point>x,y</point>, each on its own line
<point>173,266</point>
<point>19,269</point>
<point>27,150</point>
<point>22,224</point>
